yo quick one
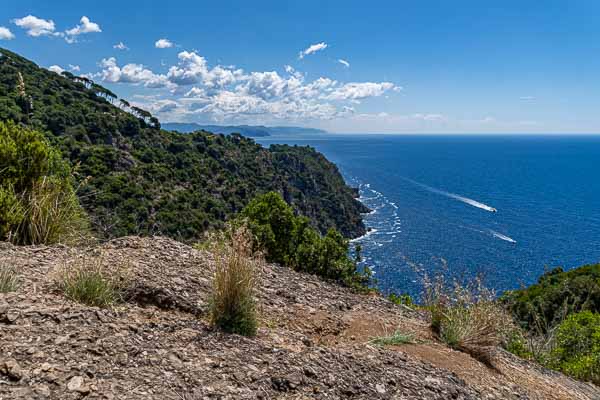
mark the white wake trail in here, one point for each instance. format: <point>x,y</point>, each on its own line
<point>454,196</point>
<point>503,237</point>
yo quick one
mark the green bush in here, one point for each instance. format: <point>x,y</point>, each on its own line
<point>557,294</point>
<point>273,223</point>
<point>38,204</point>
<point>577,347</point>
<point>402,299</point>
<point>291,240</point>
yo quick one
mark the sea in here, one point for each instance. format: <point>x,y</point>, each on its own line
<point>504,208</point>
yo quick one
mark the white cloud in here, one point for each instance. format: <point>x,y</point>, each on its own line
<point>6,34</point>
<point>269,85</point>
<point>85,26</point>
<point>195,90</point>
<point>163,44</point>
<point>358,91</point>
<point>130,73</point>
<point>163,106</point>
<point>344,63</point>
<point>120,46</point>
<point>527,98</point>
<point>56,68</point>
<point>312,49</point>
<point>191,69</point>
<point>36,26</point>
<point>74,68</point>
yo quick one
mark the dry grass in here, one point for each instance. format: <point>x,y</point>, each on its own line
<point>233,307</point>
<point>88,280</point>
<point>467,317</point>
<point>9,280</point>
<point>51,214</point>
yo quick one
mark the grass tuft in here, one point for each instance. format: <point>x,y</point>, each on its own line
<point>9,281</point>
<point>51,214</point>
<point>397,338</point>
<point>87,280</point>
<point>467,317</point>
<point>233,308</point>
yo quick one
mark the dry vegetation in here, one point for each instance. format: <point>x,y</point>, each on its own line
<point>8,279</point>
<point>233,306</point>
<point>467,317</point>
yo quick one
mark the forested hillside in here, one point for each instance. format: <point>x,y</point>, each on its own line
<point>138,179</point>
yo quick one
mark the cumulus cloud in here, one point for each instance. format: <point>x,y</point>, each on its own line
<point>6,34</point>
<point>36,26</point>
<point>130,73</point>
<point>120,46</point>
<point>312,49</point>
<point>163,44</point>
<point>56,68</point>
<point>344,63</point>
<point>84,26</point>
<point>191,69</point>
<point>220,93</point>
<point>74,68</point>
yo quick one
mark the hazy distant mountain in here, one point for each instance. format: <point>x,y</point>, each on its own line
<point>245,130</point>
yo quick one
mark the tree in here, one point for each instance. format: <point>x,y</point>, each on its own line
<point>273,223</point>
<point>291,240</point>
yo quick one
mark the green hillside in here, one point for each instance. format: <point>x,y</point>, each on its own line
<point>139,179</point>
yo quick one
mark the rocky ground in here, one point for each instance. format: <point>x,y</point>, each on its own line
<point>314,340</point>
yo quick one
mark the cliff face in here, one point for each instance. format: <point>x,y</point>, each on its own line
<point>144,180</point>
<point>314,339</point>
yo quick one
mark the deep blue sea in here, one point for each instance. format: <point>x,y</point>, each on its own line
<point>504,207</point>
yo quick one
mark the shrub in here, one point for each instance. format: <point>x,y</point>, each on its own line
<point>290,240</point>
<point>233,308</point>
<point>8,279</point>
<point>273,223</point>
<point>401,299</point>
<point>87,280</point>
<point>38,204</point>
<point>577,347</point>
<point>557,294</point>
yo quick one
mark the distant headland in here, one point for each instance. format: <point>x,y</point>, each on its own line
<point>245,130</point>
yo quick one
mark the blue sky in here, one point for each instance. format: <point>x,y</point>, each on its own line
<point>406,66</point>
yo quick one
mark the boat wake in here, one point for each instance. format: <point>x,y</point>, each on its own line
<point>502,237</point>
<point>454,196</point>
